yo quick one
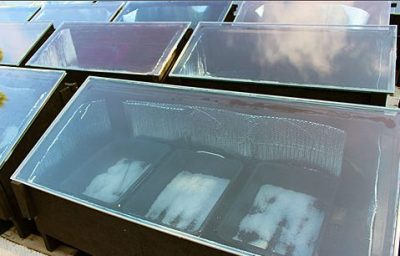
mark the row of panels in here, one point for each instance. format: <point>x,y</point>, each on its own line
<point>359,59</point>
<point>272,12</point>
<point>136,168</point>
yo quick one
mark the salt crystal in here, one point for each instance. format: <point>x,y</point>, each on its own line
<point>187,200</point>
<point>109,186</point>
<point>293,213</point>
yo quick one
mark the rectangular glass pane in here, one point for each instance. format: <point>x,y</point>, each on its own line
<point>18,39</point>
<point>191,11</point>
<point>111,47</point>
<point>335,57</point>
<point>315,12</point>
<point>23,93</point>
<point>17,14</point>
<point>59,13</point>
<point>246,173</point>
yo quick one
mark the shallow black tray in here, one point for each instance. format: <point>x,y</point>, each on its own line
<point>199,162</point>
<point>286,175</point>
<point>141,149</point>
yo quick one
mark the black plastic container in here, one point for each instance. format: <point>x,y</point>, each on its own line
<point>195,162</point>
<point>284,175</point>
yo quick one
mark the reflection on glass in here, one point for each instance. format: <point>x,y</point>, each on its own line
<point>121,48</point>
<point>351,58</point>
<point>257,174</point>
<point>57,14</point>
<point>315,13</point>
<point>23,93</point>
<point>16,14</point>
<point>17,39</point>
<point>193,11</point>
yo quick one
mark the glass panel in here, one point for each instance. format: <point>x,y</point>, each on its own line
<point>120,48</point>
<point>193,11</point>
<point>17,40</point>
<point>345,58</point>
<point>317,12</point>
<point>59,13</point>
<point>23,92</point>
<point>237,171</point>
<point>16,14</point>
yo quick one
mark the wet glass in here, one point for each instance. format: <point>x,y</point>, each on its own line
<point>191,11</point>
<point>138,48</point>
<point>59,13</point>
<point>24,92</point>
<point>245,173</point>
<point>315,12</point>
<point>17,14</point>
<point>18,39</point>
<point>335,57</point>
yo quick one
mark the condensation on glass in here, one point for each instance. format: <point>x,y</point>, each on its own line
<point>315,13</point>
<point>138,48</point>
<point>23,93</point>
<point>17,13</point>
<point>59,13</point>
<point>191,11</point>
<point>357,58</point>
<point>249,174</point>
<point>18,39</point>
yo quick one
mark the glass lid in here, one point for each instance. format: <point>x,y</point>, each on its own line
<point>248,174</point>
<point>18,39</point>
<point>355,58</point>
<point>58,13</point>
<point>191,11</point>
<point>23,93</point>
<point>315,12</point>
<point>135,48</point>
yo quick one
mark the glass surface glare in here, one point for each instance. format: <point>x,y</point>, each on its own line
<point>59,13</point>
<point>17,14</point>
<point>345,58</point>
<point>315,13</point>
<point>140,48</point>
<point>220,168</point>
<point>17,39</point>
<point>26,92</point>
<point>193,11</point>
